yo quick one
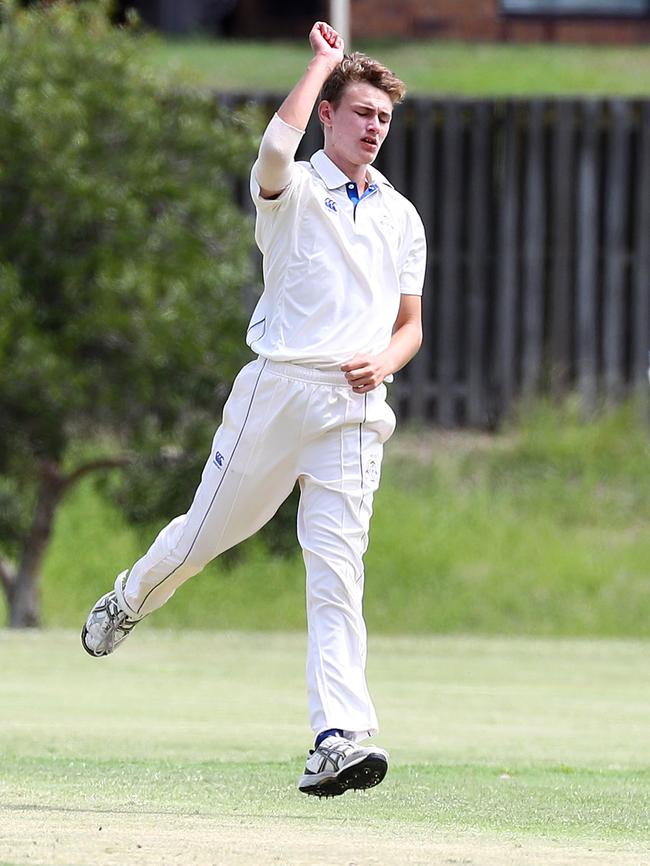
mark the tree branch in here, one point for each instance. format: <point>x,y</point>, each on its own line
<point>95,466</point>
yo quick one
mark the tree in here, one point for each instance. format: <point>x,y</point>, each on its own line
<point>122,260</point>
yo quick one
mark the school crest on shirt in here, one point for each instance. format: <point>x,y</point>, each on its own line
<point>371,471</point>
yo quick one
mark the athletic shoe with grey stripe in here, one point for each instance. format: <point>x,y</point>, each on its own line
<point>106,627</point>
<point>338,765</point>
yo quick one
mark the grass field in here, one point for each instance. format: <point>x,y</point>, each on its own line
<point>187,748</point>
<point>427,67</point>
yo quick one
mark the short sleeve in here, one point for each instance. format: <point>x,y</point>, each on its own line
<point>272,204</point>
<point>411,275</point>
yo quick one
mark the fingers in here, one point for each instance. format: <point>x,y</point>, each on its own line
<point>329,34</point>
<point>361,374</point>
<point>360,380</point>
<point>356,367</point>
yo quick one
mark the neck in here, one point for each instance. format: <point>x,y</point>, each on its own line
<point>356,173</point>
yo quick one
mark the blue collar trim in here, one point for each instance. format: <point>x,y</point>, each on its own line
<point>353,192</point>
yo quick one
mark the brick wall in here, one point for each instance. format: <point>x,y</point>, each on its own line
<point>481,20</point>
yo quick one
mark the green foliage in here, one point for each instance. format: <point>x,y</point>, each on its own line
<point>123,254</point>
<point>543,530</point>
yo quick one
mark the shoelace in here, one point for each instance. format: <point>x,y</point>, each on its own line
<point>114,617</point>
<point>116,620</point>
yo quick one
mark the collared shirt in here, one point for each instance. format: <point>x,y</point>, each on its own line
<point>335,265</point>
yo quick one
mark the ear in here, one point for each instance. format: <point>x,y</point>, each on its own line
<point>325,112</point>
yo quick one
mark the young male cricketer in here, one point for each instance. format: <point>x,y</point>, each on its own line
<point>344,260</point>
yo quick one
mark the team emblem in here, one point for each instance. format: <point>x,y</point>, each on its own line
<point>372,471</point>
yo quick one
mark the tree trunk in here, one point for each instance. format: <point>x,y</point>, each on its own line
<point>24,599</point>
<point>7,579</point>
<point>25,602</point>
<point>22,585</point>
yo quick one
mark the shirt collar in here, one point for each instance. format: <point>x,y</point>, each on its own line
<point>332,175</point>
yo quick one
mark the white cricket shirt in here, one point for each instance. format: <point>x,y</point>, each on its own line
<point>333,270</point>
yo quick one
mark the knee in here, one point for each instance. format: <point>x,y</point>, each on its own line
<point>334,580</point>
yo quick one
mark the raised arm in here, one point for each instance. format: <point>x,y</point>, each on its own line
<point>282,136</point>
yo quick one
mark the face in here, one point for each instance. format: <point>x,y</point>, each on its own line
<point>357,127</point>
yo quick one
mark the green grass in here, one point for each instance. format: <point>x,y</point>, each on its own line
<point>544,530</point>
<point>426,67</point>
<point>495,744</point>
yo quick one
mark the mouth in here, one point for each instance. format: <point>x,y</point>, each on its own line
<point>370,142</point>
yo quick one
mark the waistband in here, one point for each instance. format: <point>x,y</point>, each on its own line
<point>305,374</point>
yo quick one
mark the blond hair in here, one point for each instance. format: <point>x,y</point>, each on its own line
<point>359,67</point>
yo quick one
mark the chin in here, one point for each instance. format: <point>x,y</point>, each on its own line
<point>365,158</point>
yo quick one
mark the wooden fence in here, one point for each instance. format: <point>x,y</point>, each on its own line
<point>538,224</point>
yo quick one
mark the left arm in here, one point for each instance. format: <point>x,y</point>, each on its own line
<point>366,372</point>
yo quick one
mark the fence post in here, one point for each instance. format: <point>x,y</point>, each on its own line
<point>479,276</point>
<point>587,251</point>
<point>448,329</point>
<point>508,256</point>
<point>534,252</point>
<point>419,369</point>
<point>615,250</point>
<point>641,265</point>
<point>562,203</point>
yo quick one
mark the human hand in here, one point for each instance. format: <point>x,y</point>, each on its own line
<point>326,42</point>
<point>366,372</point>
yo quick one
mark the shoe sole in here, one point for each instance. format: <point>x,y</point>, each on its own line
<point>366,774</point>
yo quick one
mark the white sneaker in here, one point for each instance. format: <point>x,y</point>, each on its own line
<point>106,627</point>
<point>339,764</point>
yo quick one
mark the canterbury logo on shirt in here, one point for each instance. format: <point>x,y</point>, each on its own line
<point>330,204</point>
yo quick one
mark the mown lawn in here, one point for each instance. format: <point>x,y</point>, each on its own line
<point>426,67</point>
<point>186,747</point>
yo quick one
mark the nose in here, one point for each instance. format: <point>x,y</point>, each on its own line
<point>373,123</point>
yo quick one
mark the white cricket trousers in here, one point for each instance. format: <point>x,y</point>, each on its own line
<point>284,423</point>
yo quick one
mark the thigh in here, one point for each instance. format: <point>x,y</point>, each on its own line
<point>340,468</point>
<point>336,500</point>
<point>251,468</point>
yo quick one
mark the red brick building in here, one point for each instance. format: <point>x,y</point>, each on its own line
<point>594,21</point>
<point>618,21</point>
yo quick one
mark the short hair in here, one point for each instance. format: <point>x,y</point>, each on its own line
<point>359,67</point>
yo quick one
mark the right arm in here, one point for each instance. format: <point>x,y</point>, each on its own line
<point>282,136</point>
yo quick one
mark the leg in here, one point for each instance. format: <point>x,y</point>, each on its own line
<point>249,473</point>
<point>337,485</point>
<point>334,518</point>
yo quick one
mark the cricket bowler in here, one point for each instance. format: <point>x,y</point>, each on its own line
<point>344,261</point>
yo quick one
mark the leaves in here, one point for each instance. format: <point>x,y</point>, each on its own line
<point>123,254</point>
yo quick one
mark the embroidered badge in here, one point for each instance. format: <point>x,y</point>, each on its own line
<point>372,471</point>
